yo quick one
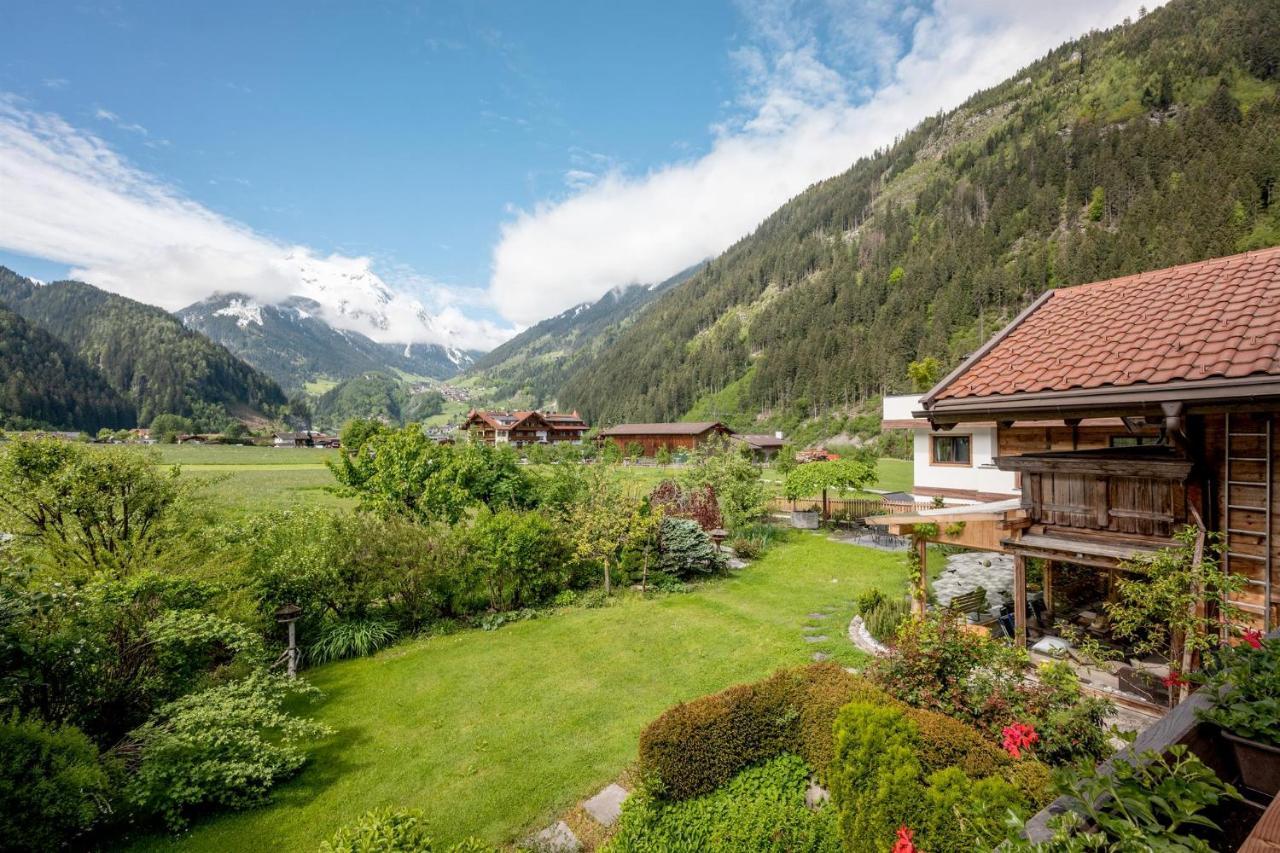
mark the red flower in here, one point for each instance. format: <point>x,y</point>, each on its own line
<point>1174,679</point>
<point>1018,737</point>
<point>904,843</point>
<point>1254,638</point>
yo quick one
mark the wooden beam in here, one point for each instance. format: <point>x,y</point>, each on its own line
<point>1048,590</point>
<point>1020,600</point>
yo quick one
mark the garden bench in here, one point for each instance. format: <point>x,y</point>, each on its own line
<point>970,602</point>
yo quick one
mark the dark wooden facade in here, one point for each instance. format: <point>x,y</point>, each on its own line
<point>651,438</point>
<point>524,428</point>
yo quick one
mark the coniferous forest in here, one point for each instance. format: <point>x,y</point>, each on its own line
<point>1152,144</point>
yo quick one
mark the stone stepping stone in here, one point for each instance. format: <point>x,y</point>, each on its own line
<point>815,638</point>
<point>605,806</point>
<point>819,657</point>
<point>818,615</point>
<point>736,563</point>
<point>815,795</point>
<point>557,838</point>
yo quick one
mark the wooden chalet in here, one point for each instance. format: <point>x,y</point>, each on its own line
<point>524,428</point>
<point>652,437</point>
<point>1189,354</point>
<point>764,448</point>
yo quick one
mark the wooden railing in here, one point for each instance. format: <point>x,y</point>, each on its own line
<point>846,509</point>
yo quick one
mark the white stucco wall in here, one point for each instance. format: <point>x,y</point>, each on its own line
<point>980,476</point>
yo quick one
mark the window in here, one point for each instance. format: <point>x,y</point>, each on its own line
<point>1134,440</point>
<point>952,450</point>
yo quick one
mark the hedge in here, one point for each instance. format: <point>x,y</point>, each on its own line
<point>697,746</point>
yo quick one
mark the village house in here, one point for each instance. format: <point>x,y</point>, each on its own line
<point>764,448</point>
<point>1191,352</point>
<point>958,464</point>
<point>524,428</point>
<point>674,437</point>
<point>305,438</point>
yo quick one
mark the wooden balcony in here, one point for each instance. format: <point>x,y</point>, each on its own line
<point>1101,507</point>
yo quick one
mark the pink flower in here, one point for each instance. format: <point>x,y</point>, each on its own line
<point>1254,638</point>
<point>1018,737</point>
<point>1174,679</point>
<point>905,843</point>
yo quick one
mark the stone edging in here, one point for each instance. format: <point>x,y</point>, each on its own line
<point>861,637</point>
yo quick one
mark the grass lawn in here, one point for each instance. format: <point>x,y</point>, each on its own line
<point>494,733</point>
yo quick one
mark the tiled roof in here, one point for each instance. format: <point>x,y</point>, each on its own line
<point>661,429</point>
<point>1208,320</point>
<point>762,440</point>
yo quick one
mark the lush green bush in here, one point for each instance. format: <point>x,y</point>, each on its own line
<point>697,746</point>
<point>393,831</point>
<point>1245,683</point>
<point>226,746</point>
<point>763,808</point>
<point>868,601</point>
<point>747,549</point>
<point>884,620</point>
<point>103,656</point>
<point>881,779</point>
<point>517,558</point>
<point>685,550</point>
<point>734,480</point>
<point>53,788</point>
<point>352,638</point>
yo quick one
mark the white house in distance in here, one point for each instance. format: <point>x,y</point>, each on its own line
<point>959,464</point>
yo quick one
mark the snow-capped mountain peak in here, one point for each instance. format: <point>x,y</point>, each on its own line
<point>245,311</point>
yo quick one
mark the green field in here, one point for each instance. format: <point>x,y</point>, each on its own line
<point>495,733</point>
<point>245,479</point>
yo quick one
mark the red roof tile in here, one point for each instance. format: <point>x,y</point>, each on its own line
<point>1213,319</point>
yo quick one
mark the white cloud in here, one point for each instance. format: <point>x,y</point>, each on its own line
<point>806,116</point>
<point>69,198</point>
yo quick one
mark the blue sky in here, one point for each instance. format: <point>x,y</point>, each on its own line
<point>496,161</point>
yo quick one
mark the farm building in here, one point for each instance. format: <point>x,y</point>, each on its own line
<point>674,437</point>
<point>522,428</point>
<point>763,447</point>
<point>1191,353</point>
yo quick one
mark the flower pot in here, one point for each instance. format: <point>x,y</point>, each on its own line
<point>804,519</point>
<point>1259,764</point>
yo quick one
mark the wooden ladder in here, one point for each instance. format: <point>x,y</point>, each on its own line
<point>1242,486</point>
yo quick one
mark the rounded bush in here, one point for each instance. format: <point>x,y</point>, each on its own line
<point>947,742</point>
<point>697,746</point>
<point>393,831</point>
<point>52,786</point>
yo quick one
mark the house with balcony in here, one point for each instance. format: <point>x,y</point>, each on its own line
<point>1187,359</point>
<point>524,428</point>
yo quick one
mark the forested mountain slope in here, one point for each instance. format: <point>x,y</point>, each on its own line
<point>292,344</point>
<point>44,383</point>
<point>145,353</point>
<point>379,396</point>
<point>1152,144</point>
<point>535,364</point>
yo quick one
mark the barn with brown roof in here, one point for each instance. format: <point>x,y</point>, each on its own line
<point>674,437</point>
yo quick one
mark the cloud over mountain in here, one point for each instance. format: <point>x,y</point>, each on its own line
<point>808,111</point>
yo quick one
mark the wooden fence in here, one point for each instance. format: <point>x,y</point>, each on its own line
<point>846,509</point>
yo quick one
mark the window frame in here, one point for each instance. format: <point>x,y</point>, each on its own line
<point>933,450</point>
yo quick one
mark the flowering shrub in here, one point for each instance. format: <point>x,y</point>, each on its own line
<point>904,843</point>
<point>1018,737</point>
<point>696,503</point>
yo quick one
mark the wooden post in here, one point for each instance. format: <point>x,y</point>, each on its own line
<point>1020,600</point>
<point>920,597</point>
<point>1048,591</point>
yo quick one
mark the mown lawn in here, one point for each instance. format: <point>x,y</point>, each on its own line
<point>247,479</point>
<point>494,733</point>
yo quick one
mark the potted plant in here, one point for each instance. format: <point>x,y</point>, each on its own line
<point>1245,686</point>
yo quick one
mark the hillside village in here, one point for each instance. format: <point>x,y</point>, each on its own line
<point>937,514</point>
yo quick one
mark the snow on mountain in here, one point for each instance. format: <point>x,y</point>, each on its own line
<point>245,311</point>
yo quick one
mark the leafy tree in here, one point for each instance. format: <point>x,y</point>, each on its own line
<point>166,428</point>
<point>405,473</point>
<point>601,523</point>
<point>663,455</point>
<point>299,412</point>
<point>1097,204</point>
<point>634,450</point>
<point>518,558</point>
<point>610,453</point>
<point>924,374</point>
<point>91,510</point>
<point>839,475</point>
<point>734,480</point>
<point>357,431</point>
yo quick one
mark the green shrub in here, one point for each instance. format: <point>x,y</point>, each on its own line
<point>947,742</point>
<point>1075,731</point>
<point>884,620</point>
<point>747,549</point>
<point>697,746</point>
<point>516,558</point>
<point>763,808</point>
<point>352,638</point>
<point>880,780</point>
<point>227,745</point>
<point>393,831</point>
<point>52,786</point>
<point>685,550</point>
<point>868,601</point>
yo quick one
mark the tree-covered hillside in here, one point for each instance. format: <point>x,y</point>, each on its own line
<point>532,367</point>
<point>44,383</point>
<point>379,396</point>
<point>145,353</point>
<point>1152,144</point>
